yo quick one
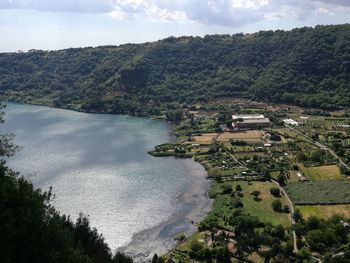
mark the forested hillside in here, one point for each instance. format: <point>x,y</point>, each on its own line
<point>307,66</point>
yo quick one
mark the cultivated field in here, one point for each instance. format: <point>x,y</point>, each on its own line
<point>205,138</point>
<point>324,211</point>
<point>325,172</point>
<point>248,136</point>
<point>319,192</point>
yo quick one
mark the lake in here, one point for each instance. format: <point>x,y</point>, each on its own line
<point>98,164</point>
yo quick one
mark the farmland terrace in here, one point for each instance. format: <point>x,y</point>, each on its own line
<point>276,178</point>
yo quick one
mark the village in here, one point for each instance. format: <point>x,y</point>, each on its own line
<point>273,161</point>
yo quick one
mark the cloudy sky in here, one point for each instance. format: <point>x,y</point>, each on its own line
<point>57,24</point>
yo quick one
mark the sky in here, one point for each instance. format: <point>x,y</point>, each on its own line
<point>58,24</point>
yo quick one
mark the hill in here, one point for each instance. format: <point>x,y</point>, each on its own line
<point>306,66</point>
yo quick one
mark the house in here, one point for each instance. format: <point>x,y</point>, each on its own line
<point>250,121</point>
<point>290,122</point>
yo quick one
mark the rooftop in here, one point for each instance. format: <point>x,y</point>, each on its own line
<point>248,116</point>
<point>263,120</point>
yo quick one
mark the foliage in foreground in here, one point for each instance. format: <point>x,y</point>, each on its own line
<point>328,238</point>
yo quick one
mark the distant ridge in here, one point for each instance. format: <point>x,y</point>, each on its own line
<point>305,66</point>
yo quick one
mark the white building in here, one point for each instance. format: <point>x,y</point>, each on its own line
<point>248,116</point>
<point>291,122</point>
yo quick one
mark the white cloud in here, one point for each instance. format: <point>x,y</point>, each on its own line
<point>83,6</point>
<point>214,12</point>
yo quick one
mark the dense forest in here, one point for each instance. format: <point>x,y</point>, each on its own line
<point>306,66</point>
<point>32,230</point>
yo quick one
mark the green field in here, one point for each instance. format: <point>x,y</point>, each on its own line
<point>275,174</point>
<point>262,209</point>
<point>319,192</point>
<point>325,172</point>
<point>324,211</point>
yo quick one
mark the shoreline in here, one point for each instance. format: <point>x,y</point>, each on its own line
<point>192,205</point>
<point>195,205</point>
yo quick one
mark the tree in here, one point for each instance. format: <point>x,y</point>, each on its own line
<point>297,216</point>
<point>196,245</point>
<point>238,188</point>
<point>275,192</point>
<point>155,258</point>
<point>281,179</point>
<point>286,209</point>
<point>256,194</point>
<point>237,203</point>
<point>174,115</point>
<point>295,167</point>
<point>227,189</point>
<point>277,205</point>
<point>216,174</point>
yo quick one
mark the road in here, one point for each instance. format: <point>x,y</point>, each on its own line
<point>321,146</point>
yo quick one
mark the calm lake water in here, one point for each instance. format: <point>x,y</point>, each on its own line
<point>98,164</point>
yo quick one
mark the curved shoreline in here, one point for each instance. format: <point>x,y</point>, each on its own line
<point>192,205</point>
<point>195,204</point>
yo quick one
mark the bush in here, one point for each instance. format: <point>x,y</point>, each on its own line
<point>237,203</point>
<point>240,194</point>
<point>286,209</point>
<point>256,194</point>
<point>277,205</point>
<point>180,237</point>
<point>275,192</point>
<point>196,246</point>
<point>227,189</point>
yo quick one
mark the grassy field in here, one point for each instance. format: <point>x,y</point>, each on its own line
<point>275,174</point>
<point>326,172</point>
<point>324,211</point>
<point>286,132</point>
<point>196,150</point>
<point>262,209</point>
<point>319,192</point>
<point>185,246</point>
